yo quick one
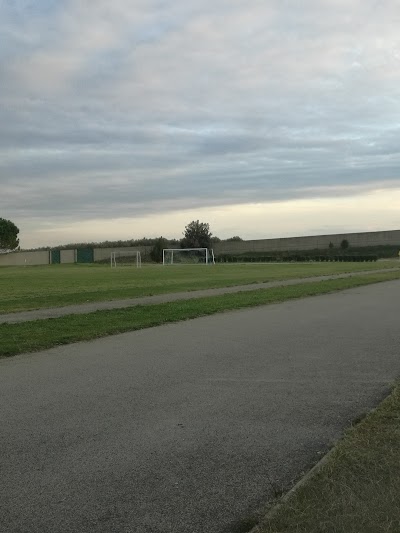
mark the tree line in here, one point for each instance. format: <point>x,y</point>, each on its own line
<point>196,235</point>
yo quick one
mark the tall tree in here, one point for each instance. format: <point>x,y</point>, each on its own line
<point>8,235</point>
<point>196,235</point>
<point>156,253</point>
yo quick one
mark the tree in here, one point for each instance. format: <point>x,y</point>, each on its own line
<point>196,235</point>
<point>236,238</point>
<point>156,253</point>
<point>344,244</point>
<point>8,235</point>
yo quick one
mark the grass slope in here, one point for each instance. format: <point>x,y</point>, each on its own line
<point>25,288</point>
<point>41,334</point>
<point>357,490</point>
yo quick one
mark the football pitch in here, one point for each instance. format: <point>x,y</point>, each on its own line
<point>38,287</point>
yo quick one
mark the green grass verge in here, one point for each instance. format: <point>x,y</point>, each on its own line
<point>357,489</point>
<point>41,334</point>
<point>24,288</point>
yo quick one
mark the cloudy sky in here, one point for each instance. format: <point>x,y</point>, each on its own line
<point>265,118</point>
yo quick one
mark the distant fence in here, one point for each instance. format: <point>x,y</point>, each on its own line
<point>80,255</point>
<point>315,242</point>
<point>68,256</point>
<point>104,254</point>
<point>296,258</point>
<point>286,244</point>
<point>25,258</point>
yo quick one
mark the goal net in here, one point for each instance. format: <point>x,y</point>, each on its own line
<point>188,256</point>
<point>128,258</point>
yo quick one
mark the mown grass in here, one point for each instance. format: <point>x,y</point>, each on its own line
<point>41,334</point>
<point>25,288</point>
<point>357,490</point>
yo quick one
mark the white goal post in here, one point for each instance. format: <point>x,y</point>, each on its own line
<point>204,256</point>
<point>126,258</point>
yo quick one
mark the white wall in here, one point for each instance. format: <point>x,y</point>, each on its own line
<point>25,258</point>
<point>67,256</point>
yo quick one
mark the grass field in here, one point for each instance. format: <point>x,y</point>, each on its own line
<point>25,288</point>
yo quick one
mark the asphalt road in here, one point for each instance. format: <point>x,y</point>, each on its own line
<point>189,427</point>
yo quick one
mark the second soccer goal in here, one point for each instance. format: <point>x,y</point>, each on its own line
<point>188,256</point>
<point>126,258</point>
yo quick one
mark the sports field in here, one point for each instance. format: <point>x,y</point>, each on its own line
<point>25,288</point>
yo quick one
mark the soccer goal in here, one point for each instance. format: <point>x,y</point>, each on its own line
<point>127,258</point>
<point>188,256</point>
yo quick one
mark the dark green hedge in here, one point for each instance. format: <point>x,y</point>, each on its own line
<point>295,258</point>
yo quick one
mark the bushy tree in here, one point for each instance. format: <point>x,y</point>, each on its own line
<point>344,244</point>
<point>8,235</point>
<point>236,238</point>
<point>196,235</point>
<point>157,250</point>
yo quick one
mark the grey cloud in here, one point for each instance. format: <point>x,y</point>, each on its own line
<point>174,105</point>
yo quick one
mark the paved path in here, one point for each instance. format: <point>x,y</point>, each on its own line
<point>81,309</point>
<point>188,427</point>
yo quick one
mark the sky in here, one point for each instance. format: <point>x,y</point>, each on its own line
<point>264,118</point>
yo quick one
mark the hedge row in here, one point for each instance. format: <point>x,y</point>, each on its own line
<point>295,258</point>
